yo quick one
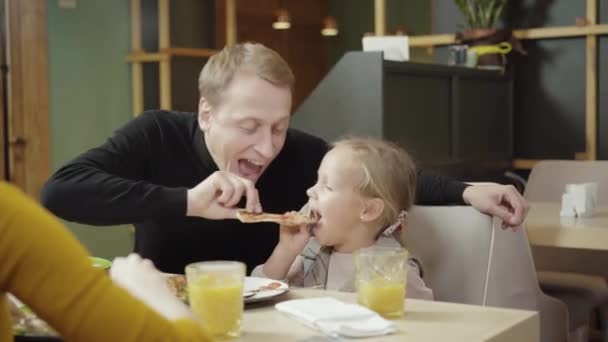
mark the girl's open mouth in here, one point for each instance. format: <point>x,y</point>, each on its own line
<point>316,216</point>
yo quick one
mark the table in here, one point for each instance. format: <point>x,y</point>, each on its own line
<point>545,227</point>
<point>423,321</point>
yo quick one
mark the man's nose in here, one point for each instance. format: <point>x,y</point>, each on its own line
<point>265,146</point>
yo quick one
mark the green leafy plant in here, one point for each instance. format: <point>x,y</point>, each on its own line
<point>481,13</point>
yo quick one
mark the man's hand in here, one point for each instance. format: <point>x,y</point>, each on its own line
<point>503,201</point>
<point>216,196</point>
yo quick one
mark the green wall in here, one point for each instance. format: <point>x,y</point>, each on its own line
<point>90,92</point>
<point>355,17</point>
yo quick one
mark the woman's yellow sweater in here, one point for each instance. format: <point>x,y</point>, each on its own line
<point>44,266</point>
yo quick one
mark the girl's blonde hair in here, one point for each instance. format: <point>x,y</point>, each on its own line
<point>219,70</point>
<point>389,173</point>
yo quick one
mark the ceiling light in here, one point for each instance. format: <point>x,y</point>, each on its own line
<point>282,21</point>
<point>330,26</point>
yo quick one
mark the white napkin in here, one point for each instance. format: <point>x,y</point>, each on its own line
<point>336,318</point>
<point>579,200</point>
<point>395,48</point>
<point>568,207</point>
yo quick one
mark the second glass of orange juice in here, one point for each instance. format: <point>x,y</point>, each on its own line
<point>215,292</point>
<point>381,276</point>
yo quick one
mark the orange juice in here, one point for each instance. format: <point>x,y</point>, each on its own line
<point>384,297</point>
<point>381,275</point>
<point>215,291</point>
<point>219,305</point>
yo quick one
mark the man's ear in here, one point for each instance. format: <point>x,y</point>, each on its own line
<point>204,113</point>
<point>372,209</point>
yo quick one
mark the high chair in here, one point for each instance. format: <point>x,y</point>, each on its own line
<point>468,258</point>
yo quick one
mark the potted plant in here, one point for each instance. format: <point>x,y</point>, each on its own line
<point>481,17</point>
<point>481,14</point>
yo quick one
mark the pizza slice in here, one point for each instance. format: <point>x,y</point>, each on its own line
<point>270,286</point>
<point>178,285</point>
<point>290,218</point>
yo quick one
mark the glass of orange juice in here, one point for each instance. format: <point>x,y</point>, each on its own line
<point>215,290</point>
<point>381,276</point>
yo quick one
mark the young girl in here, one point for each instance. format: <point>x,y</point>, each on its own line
<point>364,189</point>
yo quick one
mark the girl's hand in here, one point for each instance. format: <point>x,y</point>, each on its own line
<point>293,239</point>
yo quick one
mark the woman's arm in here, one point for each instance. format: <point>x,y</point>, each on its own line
<point>44,266</point>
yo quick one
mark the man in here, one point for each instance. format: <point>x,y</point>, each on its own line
<point>164,171</point>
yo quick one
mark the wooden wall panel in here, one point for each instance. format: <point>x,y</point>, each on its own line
<point>602,73</point>
<point>29,140</point>
<point>3,138</point>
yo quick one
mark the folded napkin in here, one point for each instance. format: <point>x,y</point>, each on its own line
<point>579,200</point>
<point>336,318</point>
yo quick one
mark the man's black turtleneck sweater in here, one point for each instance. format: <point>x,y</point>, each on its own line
<point>141,174</point>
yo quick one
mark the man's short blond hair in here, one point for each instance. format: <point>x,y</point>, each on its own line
<point>253,57</point>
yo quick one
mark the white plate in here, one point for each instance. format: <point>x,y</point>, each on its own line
<point>255,283</point>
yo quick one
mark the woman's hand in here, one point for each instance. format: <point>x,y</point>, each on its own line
<point>141,279</point>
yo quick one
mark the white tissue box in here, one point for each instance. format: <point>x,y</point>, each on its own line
<point>579,200</point>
